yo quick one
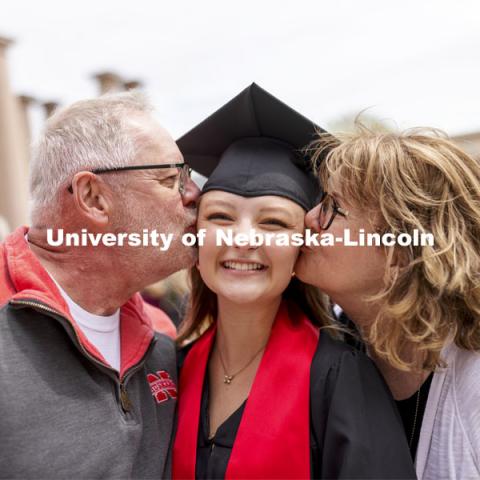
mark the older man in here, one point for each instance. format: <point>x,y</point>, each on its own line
<point>87,389</point>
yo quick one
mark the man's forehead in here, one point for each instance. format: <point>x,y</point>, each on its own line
<point>157,145</point>
<point>149,126</point>
<point>159,153</point>
<point>168,152</point>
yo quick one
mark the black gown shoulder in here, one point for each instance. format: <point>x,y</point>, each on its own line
<point>356,429</point>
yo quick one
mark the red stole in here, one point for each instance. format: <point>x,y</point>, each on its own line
<point>273,440</point>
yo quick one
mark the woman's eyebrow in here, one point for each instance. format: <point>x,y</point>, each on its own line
<point>277,210</point>
<point>274,210</point>
<point>217,203</point>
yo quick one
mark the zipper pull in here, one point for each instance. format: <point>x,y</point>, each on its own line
<point>124,400</point>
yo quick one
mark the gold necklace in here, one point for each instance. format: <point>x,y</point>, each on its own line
<point>415,417</point>
<point>227,378</point>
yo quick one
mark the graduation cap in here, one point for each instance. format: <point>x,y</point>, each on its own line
<point>252,146</point>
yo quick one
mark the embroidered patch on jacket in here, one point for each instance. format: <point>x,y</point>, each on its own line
<point>162,385</point>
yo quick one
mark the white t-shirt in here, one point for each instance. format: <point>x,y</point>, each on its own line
<point>102,331</point>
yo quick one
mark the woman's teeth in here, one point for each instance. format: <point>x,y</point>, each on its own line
<point>243,266</point>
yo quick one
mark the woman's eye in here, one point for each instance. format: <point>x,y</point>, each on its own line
<point>274,222</point>
<point>219,216</point>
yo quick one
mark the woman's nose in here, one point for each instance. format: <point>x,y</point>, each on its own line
<point>248,236</point>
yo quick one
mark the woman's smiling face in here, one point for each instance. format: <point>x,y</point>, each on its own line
<point>247,274</point>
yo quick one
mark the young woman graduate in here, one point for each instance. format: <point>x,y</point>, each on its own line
<point>264,392</point>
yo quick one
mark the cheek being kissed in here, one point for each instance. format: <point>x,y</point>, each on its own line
<point>339,270</point>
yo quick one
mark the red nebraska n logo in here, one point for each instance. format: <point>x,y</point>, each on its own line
<point>162,385</point>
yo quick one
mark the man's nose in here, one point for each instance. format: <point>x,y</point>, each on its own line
<point>311,219</point>
<point>191,194</point>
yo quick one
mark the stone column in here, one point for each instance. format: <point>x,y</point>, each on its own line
<point>108,82</point>
<point>470,142</point>
<point>24,102</point>
<point>13,164</point>
<point>4,229</point>
<point>132,84</point>
<point>49,108</point>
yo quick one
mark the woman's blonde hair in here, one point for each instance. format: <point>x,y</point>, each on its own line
<point>418,179</point>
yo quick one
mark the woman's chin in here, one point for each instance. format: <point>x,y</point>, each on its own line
<point>241,297</point>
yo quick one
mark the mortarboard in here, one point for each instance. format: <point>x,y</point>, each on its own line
<point>252,146</point>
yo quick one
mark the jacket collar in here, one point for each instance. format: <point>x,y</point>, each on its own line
<point>31,281</point>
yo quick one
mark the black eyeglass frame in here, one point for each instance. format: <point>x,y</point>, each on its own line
<point>337,210</point>
<point>181,187</point>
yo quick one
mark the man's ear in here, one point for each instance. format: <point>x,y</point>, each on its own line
<point>92,197</point>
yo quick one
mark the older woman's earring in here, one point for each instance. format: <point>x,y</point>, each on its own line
<point>293,274</point>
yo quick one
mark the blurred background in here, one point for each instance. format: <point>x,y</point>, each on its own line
<point>408,64</point>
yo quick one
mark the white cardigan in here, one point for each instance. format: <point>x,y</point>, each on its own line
<point>449,445</point>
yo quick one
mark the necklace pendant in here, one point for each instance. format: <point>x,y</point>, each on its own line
<point>227,379</point>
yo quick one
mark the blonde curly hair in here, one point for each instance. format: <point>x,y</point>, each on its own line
<point>418,179</point>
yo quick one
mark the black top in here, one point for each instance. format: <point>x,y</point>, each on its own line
<point>213,453</point>
<point>412,410</point>
<point>411,414</point>
<point>356,431</point>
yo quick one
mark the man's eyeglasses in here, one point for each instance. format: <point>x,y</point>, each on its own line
<point>328,211</point>
<point>184,172</point>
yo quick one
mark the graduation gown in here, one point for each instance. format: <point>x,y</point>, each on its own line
<point>354,428</point>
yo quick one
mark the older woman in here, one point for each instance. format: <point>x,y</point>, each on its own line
<point>416,306</point>
<point>261,396</point>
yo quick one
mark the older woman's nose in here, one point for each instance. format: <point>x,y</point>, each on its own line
<point>311,219</point>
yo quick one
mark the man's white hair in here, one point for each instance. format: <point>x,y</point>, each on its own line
<point>89,134</point>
